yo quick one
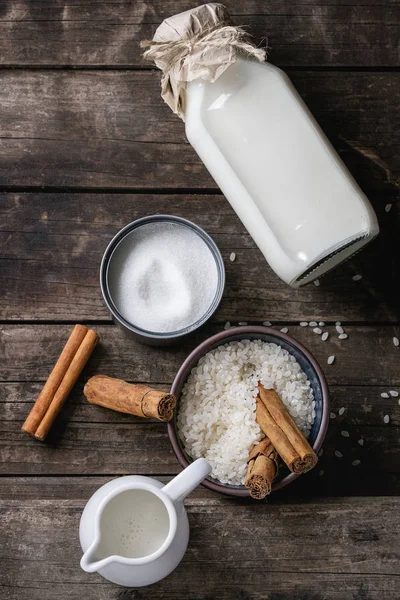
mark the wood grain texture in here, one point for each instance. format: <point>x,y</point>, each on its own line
<point>108,33</point>
<point>363,554</point>
<point>28,352</point>
<point>92,440</point>
<point>51,247</point>
<point>111,129</point>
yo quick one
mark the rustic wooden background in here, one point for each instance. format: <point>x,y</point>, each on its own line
<point>86,146</point>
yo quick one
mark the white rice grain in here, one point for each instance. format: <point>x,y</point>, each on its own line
<point>384,395</point>
<point>396,341</point>
<point>324,336</point>
<point>357,277</point>
<point>393,393</point>
<point>331,359</point>
<point>355,463</point>
<point>386,419</point>
<point>216,417</point>
<point>388,207</point>
<point>343,336</point>
<point>232,256</point>
<point>338,454</point>
<point>317,330</point>
<point>303,323</point>
<point>339,329</point>
<point>345,433</point>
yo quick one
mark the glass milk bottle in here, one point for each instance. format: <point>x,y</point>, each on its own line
<point>262,146</point>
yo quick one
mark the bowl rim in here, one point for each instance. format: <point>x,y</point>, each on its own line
<point>105,267</point>
<point>220,337</point>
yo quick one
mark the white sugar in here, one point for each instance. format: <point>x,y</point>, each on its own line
<point>163,277</point>
<point>361,442</point>
<point>267,323</point>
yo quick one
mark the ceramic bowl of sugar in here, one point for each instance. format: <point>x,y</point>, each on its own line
<point>216,389</point>
<point>162,277</point>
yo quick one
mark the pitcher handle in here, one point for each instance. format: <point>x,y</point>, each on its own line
<point>187,480</point>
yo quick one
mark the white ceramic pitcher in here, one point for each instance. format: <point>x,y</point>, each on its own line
<point>134,530</point>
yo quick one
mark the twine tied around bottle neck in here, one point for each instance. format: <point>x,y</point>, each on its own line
<point>204,55</point>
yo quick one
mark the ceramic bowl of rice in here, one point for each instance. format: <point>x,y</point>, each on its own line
<point>216,389</point>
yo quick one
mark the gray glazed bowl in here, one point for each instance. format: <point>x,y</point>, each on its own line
<point>154,337</point>
<point>307,363</point>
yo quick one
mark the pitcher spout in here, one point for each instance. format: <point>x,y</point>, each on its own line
<point>90,561</point>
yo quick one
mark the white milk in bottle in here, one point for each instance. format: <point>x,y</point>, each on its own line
<point>262,146</point>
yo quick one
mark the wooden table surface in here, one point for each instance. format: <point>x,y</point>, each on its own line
<point>86,146</point>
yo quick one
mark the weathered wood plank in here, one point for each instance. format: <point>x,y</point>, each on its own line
<point>91,440</point>
<point>108,33</point>
<point>364,406</point>
<point>51,247</point>
<point>27,353</point>
<point>111,129</point>
<point>40,546</point>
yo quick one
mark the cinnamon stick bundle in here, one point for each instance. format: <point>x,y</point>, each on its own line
<point>62,379</point>
<point>262,469</point>
<point>278,425</point>
<point>133,399</point>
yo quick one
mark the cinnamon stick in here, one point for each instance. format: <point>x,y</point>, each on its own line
<point>70,378</point>
<point>56,376</point>
<point>277,423</point>
<point>133,399</point>
<point>262,469</point>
